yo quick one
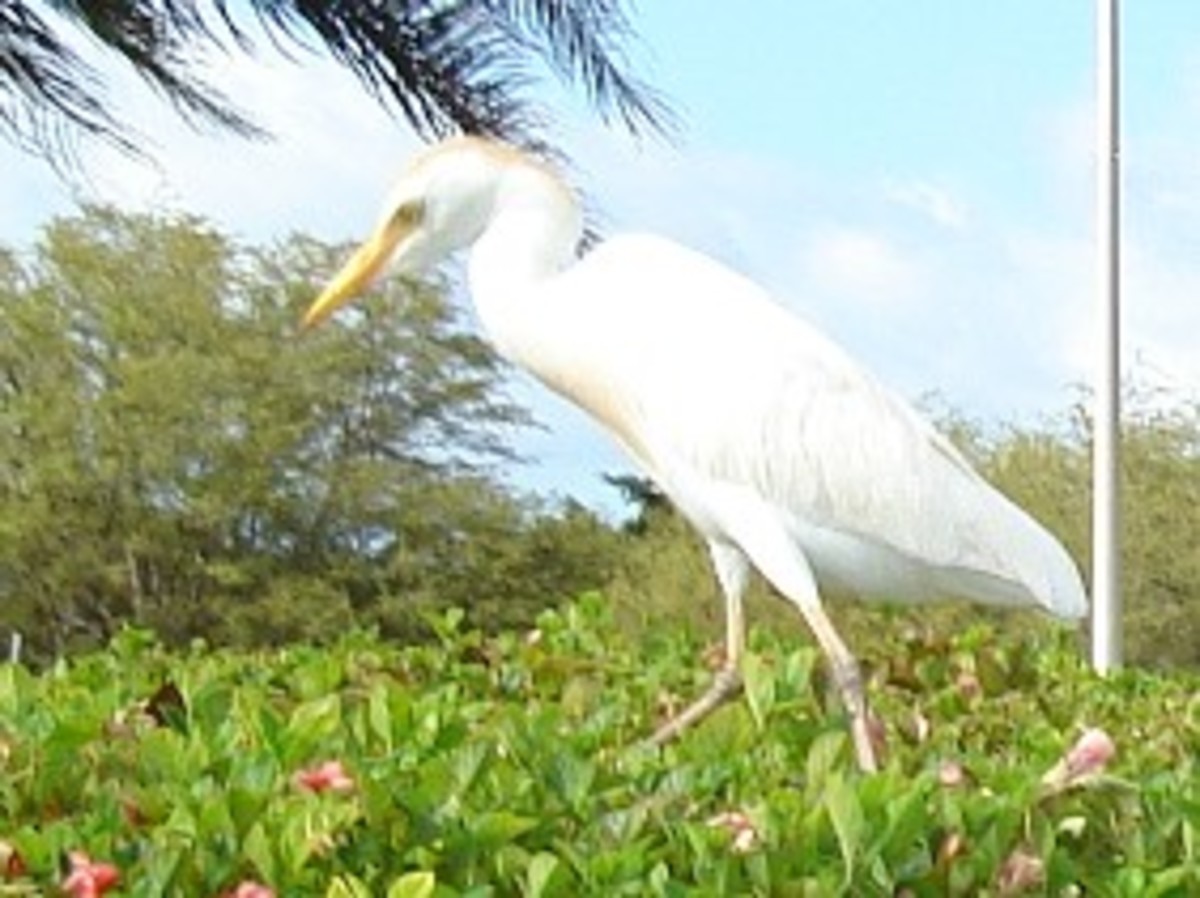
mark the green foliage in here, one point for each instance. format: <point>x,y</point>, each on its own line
<point>175,454</point>
<point>511,765</point>
<point>1047,470</point>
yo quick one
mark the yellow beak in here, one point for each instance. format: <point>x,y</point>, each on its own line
<point>356,275</point>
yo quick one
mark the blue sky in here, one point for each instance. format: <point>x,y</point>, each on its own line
<point>915,177</point>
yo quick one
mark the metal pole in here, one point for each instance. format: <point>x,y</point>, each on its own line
<point>1106,506</point>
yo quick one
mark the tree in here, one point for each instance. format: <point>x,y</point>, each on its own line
<point>174,454</point>
<point>443,64</point>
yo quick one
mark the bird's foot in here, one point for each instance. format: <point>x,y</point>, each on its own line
<point>868,734</point>
<point>726,685</point>
<point>866,730</point>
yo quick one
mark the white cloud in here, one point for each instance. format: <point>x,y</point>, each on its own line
<point>1043,294</point>
<point>937,203</point>
<point>1162,315</point>
<point>1067,135</point>
<point>327,167</point>
<point>862,263</point>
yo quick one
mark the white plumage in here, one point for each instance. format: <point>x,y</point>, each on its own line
<point>779,448</point>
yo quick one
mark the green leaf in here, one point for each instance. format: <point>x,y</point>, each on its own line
<point>845,813</point>
<point>413,885</point>
<point>571,777</point>
<point>379,717</point>
<point>822,759</point>
<point>759,680</point>
<point>348,886</point>
<point>9,696</point>
<point>312,724</point>
<point>257,849</point>
<point>1164,883</point>
<point>541,868</point>
<point>496,828</point>
<point>468,763</point>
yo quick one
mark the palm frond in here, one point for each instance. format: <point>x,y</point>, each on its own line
<point>443,65</point>
<point>47,93</point>
<point>165,41</point>
<point>584,41</point>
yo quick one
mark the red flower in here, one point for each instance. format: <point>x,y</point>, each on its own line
<point>88,879</point>
<point>329,776</point>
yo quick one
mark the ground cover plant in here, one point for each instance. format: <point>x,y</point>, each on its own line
<point>511,764</point>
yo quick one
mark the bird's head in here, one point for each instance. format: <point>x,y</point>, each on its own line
<point>441,203</point>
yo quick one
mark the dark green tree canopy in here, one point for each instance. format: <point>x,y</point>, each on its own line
<point>445,65</point>
<point>173,453</point>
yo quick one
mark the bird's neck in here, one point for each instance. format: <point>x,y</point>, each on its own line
<point>529,239</point>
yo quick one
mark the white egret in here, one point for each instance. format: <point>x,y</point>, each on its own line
<point>784,453</point>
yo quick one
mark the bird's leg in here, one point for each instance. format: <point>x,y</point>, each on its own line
<point>732,571</point>
<point>847,676</point>
<point>783,563</point>
<point>725,685</point>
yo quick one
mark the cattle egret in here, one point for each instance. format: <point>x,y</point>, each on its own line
<point>783,452</point>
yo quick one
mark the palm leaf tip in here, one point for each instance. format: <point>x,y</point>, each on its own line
<point>444,65</point>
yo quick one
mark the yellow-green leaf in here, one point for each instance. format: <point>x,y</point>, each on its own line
<point>419,884</point>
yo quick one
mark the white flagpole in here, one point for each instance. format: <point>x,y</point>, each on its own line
<point>1106,507</point>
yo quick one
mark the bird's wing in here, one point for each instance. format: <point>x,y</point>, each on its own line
<point>702,371</point>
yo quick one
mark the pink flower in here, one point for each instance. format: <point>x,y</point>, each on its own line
<point>1086,760</point>
<point>250,889</point>
<point>88,879</point>
<point>1021,871</point>
<point>951,774</point>
<point>328,776</point>
<point>740,827</point>
<point>1090,754</point>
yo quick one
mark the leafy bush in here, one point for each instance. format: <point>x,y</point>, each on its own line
<point>511,765</point>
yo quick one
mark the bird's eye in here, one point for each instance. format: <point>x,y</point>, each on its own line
<point>408,214</point>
